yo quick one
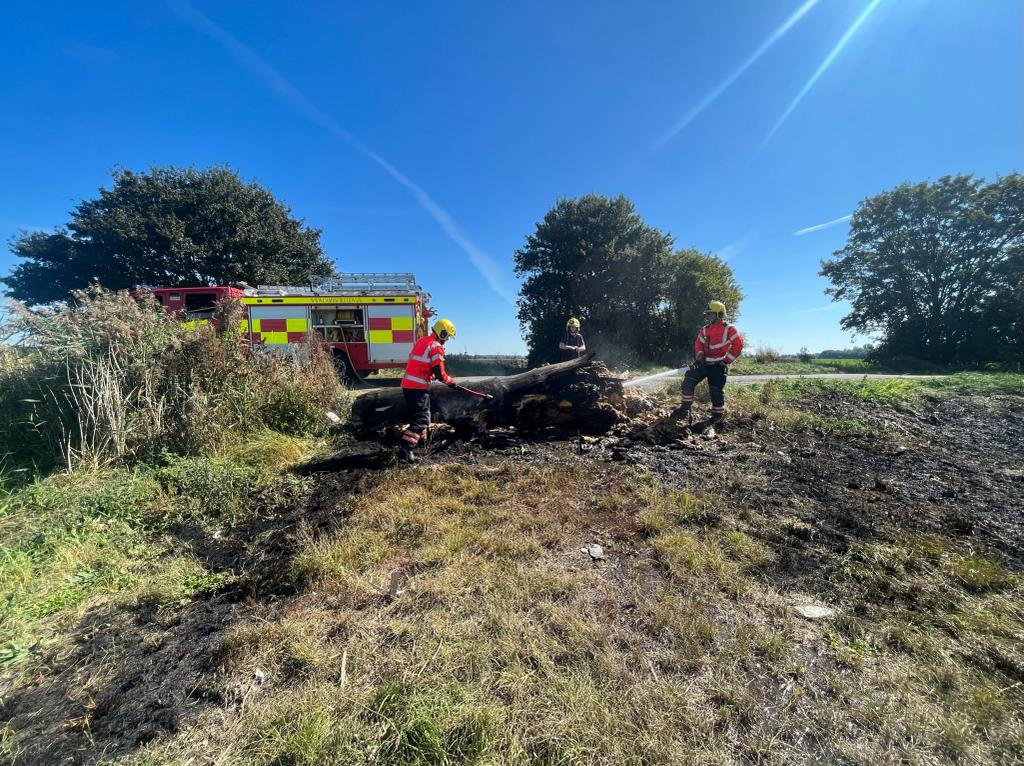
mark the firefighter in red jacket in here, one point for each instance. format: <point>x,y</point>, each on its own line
<point>426,362</point>
<point>718,345</point>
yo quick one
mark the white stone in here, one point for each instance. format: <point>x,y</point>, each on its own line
<point>812,612</point>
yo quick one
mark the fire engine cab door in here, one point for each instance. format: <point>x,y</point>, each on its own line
<point>390,332</point>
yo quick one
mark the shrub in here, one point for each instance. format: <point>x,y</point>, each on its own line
<point>804,355</point>
<point>112,377</point>
<point>764,354</point>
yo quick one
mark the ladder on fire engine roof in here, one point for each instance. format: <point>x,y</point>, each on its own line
<point>350,284</point>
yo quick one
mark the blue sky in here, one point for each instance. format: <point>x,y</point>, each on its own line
<point>431,137</point>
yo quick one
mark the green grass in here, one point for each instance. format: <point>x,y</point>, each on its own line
<point>71,541</point>
<point>506,646</point>
<point>747,365</point>
<point>900,391</point>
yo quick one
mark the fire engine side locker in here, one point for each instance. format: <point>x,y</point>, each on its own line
<point>390,331</point>
<point>281,328</point>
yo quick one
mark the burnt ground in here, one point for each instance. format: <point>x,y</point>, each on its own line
<point>124,675</point>
<point>949,466</point>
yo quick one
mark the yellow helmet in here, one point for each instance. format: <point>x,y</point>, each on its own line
<point>716,307</point>
<point>444,329</point>
<point>573,323</point>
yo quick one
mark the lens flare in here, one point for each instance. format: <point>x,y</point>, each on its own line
<point>824,66</point>
<point>724,85</point>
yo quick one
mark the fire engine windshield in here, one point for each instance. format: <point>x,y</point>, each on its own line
<point>200,305</point>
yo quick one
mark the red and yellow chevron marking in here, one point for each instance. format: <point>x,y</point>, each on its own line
<point>306,300</point>
<point>276,331</point>
<point>391,330</point>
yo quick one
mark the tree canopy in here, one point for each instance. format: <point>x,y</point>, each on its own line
<point>934,268</point>
<point>593,257</point>
<point>169,227</point>
<point>692,280</point>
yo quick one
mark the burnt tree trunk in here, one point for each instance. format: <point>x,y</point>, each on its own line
<point>578,394</point>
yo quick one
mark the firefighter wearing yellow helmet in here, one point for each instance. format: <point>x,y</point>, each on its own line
<point>426,363</point>
<point>572,345</point>
<point>718,345</point>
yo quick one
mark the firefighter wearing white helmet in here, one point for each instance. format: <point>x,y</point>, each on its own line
<point>572,345</point>
<point>718,345</point>
<point>426,363</point>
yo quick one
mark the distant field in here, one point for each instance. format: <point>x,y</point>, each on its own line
<point>476,364</point>
<point>473,365</point>
<point>468,365</point>
<point>750,366</point>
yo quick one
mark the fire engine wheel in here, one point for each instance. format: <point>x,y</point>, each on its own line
<point>343,368</point>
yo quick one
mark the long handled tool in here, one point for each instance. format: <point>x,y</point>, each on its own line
<point>478,394</point>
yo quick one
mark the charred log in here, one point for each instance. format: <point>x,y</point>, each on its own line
<point>576,395</point>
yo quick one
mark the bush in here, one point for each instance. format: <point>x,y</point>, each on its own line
<point>804,355</point>
<point>112,377</point>
<point>765,354</point>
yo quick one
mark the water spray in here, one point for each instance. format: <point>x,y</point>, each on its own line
<point>656,376</point>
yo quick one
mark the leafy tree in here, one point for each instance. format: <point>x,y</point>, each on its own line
<point>1007,310</point>
<point>593,257</point>
<point>857,352</point>
<point>935,269</point>
<point>169,227</point>
<point>692,280</point>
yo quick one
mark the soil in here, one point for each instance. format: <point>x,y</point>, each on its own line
<point>951,466</point>
<point>124,676</point>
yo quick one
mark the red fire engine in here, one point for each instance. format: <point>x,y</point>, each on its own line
<point>369,320</point>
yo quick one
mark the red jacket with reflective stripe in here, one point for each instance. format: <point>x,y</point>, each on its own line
<point>719,342</point>
<point>426,355</point>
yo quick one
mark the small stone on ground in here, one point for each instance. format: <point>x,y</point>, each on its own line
<point>812,612</point>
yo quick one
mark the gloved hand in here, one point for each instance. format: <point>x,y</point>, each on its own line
<point>450,383</point>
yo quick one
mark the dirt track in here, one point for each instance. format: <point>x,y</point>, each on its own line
<point>746,380</point>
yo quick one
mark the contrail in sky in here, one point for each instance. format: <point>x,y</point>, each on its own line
<point>820,226</point>
<point>821,69</point>
<point>277,83</point>
<point>724,85</point>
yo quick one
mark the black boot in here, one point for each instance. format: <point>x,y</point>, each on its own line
<point>682,411</point>
<point>406,455</point>
<point>717,417</point>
